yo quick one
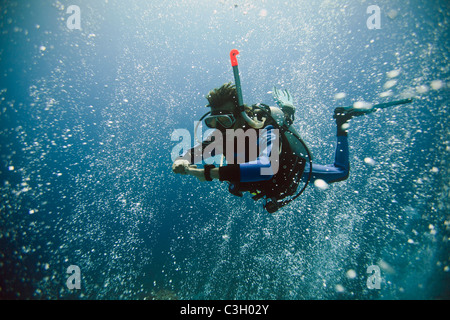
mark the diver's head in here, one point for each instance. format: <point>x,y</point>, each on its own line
<point>224,109</point>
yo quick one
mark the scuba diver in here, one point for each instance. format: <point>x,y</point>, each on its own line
<point>282,160</point>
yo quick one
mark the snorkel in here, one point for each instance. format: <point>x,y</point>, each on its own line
<point>254,123</point>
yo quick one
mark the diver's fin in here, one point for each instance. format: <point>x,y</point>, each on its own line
<point>356,110</point>
<point>344,114</point>
<point>393,103</point>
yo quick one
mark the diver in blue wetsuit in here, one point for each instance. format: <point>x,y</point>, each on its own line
<point>282,160</point>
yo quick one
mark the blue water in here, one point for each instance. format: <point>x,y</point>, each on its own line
<point>86,180</point>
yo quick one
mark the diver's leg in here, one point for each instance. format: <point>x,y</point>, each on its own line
<point>342,154</point>
<point>342,157</point>
<point>339,170</point>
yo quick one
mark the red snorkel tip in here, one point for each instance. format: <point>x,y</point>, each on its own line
<point>233,58</point>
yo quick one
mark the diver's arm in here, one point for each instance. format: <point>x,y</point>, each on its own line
<point>338,171</point>
<point>258,170</point>
<point>200,173</point>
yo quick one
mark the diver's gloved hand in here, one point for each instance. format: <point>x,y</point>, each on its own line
<point>284,100</point>
<point>180,166</point>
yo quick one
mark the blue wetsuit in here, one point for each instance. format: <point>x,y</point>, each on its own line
<point>338,171</point>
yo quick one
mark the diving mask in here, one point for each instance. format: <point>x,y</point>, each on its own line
<point>224,120</point>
